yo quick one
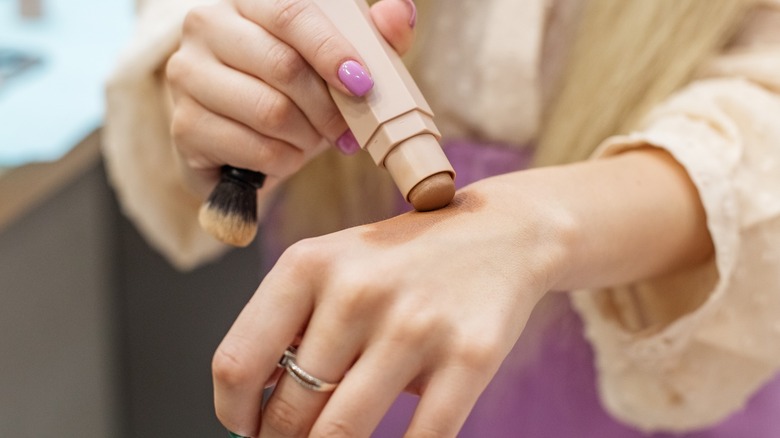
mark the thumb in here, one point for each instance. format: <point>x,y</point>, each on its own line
<point>395,20</point>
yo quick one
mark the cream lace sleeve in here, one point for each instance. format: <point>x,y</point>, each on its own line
<point>696,354</point>
<point>137,145</point>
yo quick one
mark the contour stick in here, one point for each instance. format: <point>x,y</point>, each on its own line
<point>392,122</point>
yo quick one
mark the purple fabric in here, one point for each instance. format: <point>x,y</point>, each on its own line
<point>473,162</point>
<point>546,387</point>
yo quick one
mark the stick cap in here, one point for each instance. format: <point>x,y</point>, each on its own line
<point>422,172</point>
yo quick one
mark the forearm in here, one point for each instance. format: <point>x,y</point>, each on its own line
<point>619,219</point>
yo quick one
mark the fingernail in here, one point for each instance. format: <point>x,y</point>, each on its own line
<point>233,435</point>
<point>413,18</point>
<point>347,143</point>
<point>355,78</point>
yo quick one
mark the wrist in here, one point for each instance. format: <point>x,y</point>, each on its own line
<point>542,230</point>
<point>609,221</point>
<point>636,215</point>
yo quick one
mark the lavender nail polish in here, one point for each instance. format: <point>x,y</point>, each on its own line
<point>347,143</point>
<point>355,78</point>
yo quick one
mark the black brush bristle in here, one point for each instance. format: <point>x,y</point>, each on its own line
<point>230,213</point>
<point>236,196</point>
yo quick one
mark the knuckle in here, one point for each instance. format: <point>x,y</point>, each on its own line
<point>285,162</point>
<point>294,161</point>
<point>333,124</point>
<point>327,46</point>
<point>274,111</point>
<point>281,416</point>
<point>355,295</point>
<point>288,12</point>
<point>286,64</point>
<point>418,326</point>
<point>196,162</point>
<point>304,255</point>
<point>182,126</point>
<point>351,300</point>
<point>196,19</point>
<point>276,158</point>
<point>267,154</point>
<point>228,367</point>
<point>479,355</point>
<point>179,127</point>
<point>186,135</point>
<point>178,68</point>
<point>334,428</point>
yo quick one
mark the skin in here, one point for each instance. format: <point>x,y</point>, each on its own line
<point>412,225</point>
<point>271,112</point>
<point>429,303</point>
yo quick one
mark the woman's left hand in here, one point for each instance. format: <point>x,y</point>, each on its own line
<point>432,302</point>
<point>429,303</point>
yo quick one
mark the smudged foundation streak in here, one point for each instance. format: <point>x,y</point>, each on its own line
<point>409,226</point>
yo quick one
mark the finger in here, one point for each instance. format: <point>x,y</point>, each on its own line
<point>303,26</point>
<point>248,355</point>
<point>446,402</point>
<point>245,99</point>
<point>328,349</point>
<point>395,20</point>
<point>277,64</point>
<point>207,140</point>
<point>368,391</point>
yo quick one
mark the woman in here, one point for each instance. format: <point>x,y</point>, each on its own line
<point>667,237</point>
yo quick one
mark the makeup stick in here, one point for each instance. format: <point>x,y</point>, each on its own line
<point>393,122</point>
<point>230,212</point>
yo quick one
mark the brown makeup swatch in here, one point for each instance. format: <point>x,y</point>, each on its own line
<point>411,225</point>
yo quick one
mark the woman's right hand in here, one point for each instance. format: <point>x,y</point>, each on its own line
<point>249,85</point>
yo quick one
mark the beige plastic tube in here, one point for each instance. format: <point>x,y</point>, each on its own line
<point>393,122</point>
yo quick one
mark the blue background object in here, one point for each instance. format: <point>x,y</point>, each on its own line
<point>47,109</point>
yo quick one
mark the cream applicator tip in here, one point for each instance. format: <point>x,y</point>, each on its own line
<point>433,193</point>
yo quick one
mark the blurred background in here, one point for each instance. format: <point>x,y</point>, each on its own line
<point>99,336</point>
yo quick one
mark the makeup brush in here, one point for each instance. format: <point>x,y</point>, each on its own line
<point>393,123</point>
<point>230,212</point>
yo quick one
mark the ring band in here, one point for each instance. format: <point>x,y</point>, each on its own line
<point>298,374</point>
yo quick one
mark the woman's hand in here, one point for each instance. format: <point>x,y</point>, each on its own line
<point>432,302</point>
<point>249,85</point>
<point>425,302</point>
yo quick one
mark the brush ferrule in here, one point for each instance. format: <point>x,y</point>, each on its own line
<point>243,176</point>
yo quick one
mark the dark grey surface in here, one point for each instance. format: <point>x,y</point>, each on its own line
<point>57,328</point>
<point>172,322</point>
<point>99,336</point>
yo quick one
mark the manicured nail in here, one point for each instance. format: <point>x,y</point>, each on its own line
<point>233,435</point>
<point>347,143</point>
<point>413,18</point>
<point>355,78</point>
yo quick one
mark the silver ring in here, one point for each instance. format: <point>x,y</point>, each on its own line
<point>298,374</point>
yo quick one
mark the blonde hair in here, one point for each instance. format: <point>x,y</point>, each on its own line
<point>628,55</point>
<point>334,192</point>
